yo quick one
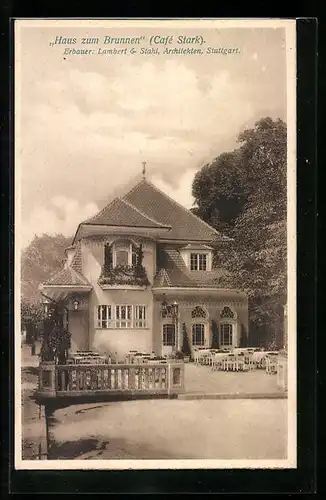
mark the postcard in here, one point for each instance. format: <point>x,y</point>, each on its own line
<point>155,244</point>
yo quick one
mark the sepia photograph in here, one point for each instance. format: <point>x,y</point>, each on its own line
<point>155,244</point>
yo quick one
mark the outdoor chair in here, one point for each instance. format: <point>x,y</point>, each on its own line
<point>249,360</point>
<point>229,363</point>
<point>217,362</point>
<point>196,357</point>
<point>271,364</point>
<point>199,356</point>
<point>210,358</point>
<point>241,362</point>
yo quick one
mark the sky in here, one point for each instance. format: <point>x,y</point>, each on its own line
<point>86,123</point>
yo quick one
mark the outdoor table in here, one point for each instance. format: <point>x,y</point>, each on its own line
<point>218,359</point>
<point>238,349</point>
<point>258,356</point>
<point>200,355</point>
<point>88,358</point>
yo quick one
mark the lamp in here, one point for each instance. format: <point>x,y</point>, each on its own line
<point>46,303</point>
<point>175,307</point>
<point>75,304</point>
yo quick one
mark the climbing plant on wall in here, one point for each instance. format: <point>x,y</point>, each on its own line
<point>56,338</point>
<point>215,339</point>
<point>186,351</point>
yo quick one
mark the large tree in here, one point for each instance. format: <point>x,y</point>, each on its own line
<point>256,198</point>
<point>219,191</point>
<point>42,258</point>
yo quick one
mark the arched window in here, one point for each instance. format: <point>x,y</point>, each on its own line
<point>227,327</point>
<point>226,335</point>
<point>121,251</point>
<point>198,334</point>
<point>198,312</point>
<point>227,313</point>
<point>199,326</point>
<point>125,253</point>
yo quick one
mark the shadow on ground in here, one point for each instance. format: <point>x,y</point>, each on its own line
<point>113,449</point>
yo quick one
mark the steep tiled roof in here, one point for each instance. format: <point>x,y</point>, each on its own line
<point>77,259</point>
<point>174,272</point>
<point>162,278</point>
<point>157,205</point>
<point>68,276</point>
<point>122,213</point>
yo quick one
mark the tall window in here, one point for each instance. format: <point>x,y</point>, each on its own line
<point>199,317</point>
<point>125,253</point>
<point>104,316</point>
<point>140,317</point>
<point>198,261</point>
<point>121,255</point>
<point>123,316</point>
<point>226,334</point>
<point>169,335</point>
<point>198,334</point>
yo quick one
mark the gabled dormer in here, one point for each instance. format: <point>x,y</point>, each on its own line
<point>197,257</point>
<point>123,263</point>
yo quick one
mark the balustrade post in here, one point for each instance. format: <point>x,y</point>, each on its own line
<point>175,378</point>
<point>47,379</point>
<point>282,373</point>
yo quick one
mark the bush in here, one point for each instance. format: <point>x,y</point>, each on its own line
<point>186,351</point>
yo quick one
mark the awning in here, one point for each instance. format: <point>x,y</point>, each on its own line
<point>62,292</point>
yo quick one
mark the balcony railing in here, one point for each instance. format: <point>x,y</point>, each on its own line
<point>115,379</point>
<point>123,275</point>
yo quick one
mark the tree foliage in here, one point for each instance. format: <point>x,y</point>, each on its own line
<point>42,258</point>
<point>32,317</point>
<point>251,183</point>
<point>219,192</point>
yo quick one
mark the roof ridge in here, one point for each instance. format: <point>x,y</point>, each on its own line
<point>76,255</point>
<point>55,275</point>
<point>73,273</point>
<point>179,205</point>
<point>142,213</point>
<point>142,181</point>
<point>101,211</point>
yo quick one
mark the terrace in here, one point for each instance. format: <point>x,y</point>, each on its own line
<point>235,375</point>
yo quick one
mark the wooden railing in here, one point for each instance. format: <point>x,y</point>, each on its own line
<point>115,379</point>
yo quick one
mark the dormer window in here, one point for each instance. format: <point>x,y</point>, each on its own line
<point>197,257</point>
<point>123,264</point>
<point>198,261</point>
<point>122,253</point>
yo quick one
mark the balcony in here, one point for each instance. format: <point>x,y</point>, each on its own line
<point>123,275</point>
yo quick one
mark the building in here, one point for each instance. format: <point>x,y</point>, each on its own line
<point>140,274</point>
